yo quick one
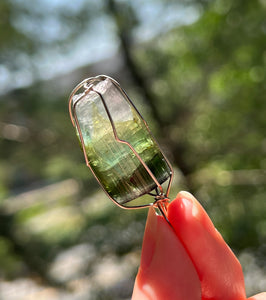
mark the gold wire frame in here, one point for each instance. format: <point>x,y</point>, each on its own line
<point>161,198</point>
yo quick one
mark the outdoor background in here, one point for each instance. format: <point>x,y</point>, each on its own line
<point>196,69</point>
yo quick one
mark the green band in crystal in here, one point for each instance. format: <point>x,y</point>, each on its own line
<point>116,166</point>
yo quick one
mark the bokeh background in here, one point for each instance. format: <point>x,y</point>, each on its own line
<point>196,69</point>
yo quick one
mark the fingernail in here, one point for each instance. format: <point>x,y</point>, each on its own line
<point>187,195</point>
<point>189,201</point>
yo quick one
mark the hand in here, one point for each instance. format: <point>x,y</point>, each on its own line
<point>187,260</point>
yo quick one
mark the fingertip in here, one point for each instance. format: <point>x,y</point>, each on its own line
<point>180,208</point>
<point>185,208</point>
<point>187,195</point>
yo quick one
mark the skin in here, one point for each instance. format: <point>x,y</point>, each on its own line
<point>187,260</point>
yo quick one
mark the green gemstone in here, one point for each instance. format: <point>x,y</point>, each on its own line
<point>115,165</point>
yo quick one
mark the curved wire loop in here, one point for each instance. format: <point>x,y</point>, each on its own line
<point>161,198</point>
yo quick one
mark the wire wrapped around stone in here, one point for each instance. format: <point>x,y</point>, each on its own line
<point>117,144</point>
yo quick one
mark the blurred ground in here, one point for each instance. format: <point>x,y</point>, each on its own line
<point>93,267</point>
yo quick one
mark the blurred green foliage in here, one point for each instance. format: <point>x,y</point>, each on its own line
<point>204,96</point>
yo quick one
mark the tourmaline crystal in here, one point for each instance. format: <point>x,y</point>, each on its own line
<point>115,165</point>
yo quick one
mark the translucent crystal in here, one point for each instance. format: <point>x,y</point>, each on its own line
<point>115,165</point>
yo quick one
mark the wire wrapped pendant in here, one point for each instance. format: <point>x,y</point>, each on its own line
<point>117,144</point>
